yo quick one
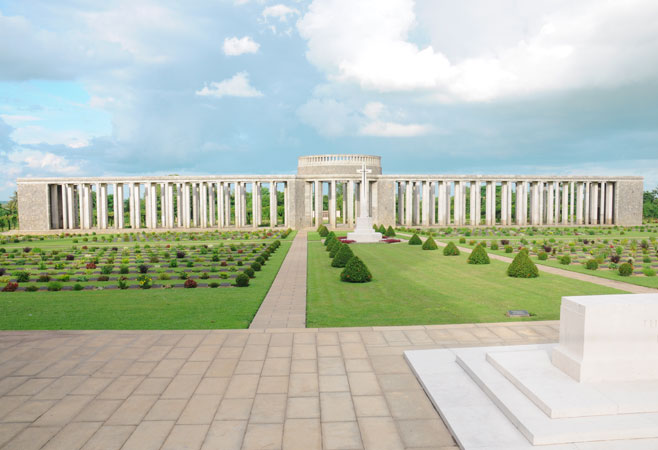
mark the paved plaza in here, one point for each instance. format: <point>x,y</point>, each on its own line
<point>249,389</point>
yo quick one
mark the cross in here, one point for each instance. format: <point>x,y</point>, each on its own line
<point>364,191</point>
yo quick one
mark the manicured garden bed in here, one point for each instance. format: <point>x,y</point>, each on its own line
<point>412,287</point>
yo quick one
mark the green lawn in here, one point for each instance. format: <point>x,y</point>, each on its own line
<point>315,236</point>
<point>416,287</point>
<point>201,308</point>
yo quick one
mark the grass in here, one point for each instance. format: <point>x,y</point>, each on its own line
<point>315,236</point>
<point>166,309</point>
<point>413,287</point>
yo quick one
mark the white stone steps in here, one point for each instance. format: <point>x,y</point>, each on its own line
<point>533,423</point>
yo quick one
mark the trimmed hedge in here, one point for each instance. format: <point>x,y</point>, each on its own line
<point>242,280</point>
<point>415,240</point>
<point>334,248</point>
<point>343,255</point>
<point>591,264</point>
<point>355,271</point>
<point>323,231</point>
<point>382,230</point>
<point>429,244</point>
<point>522,266</point>
<point>565,260</point>
<point>626,269</point>
<point>450,250</point>
<point>390,232</point>
<point>478,256</point>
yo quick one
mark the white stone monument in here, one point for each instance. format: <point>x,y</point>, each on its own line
<point>596,389</point>
<point>363,232</point>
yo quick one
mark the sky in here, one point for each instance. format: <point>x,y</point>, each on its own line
<point>129,87</point>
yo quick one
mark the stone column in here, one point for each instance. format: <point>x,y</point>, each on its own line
<point>408,203</point>
<point>540,191</point>
<point>579,203</point>
<point>586,207</point>
<point>332,203</point>
<point>572,201</point>
<point>286,203</point>
<point>147,205</point>
<point>170,205</point>
<point>549,204</point>
<point>476,213</point>
<point>237,202</point>
<point>432,202</point>
<point>426,203</point>
<point>186,204</point>
<point>343,213</point>
<point>65,208</point>
<point>509,203</point>
<point>221,215</point>
<point>350,202</point>
<point>243,204</point>
<point>565,203</point>
<point>609,197</point>
<point>103,204</point>
<point>154,205</point>
<point>524,203</point>
<point>358,192</point>
<point>488,210</point>
<point>602,204</point>
<point>227,192</point>
<point>415,203</point>
<point>400,205</point>
<point>273,204</point>
<point>503,203</point>
<point>318,203</point>
<point>457,209</point>
<point>163,205</point>
<point>556,207</point>
<point>254,203</point>
<point>88,206</point>
<point>179,205</point>
<point>203,205</point>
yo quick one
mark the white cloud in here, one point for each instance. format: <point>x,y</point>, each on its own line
<point>328,116</point>
<point>392,129</point>
<point>17,119</point>
<point>590,45</point>
<point>237,86</point>
<point>280,12</point>
<point>34,134</point>
<point>237,46</point>
<point>43,161</point>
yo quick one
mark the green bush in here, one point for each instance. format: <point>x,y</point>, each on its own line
<point>382,230</point>
<point>242,280</point>
<point>54,286</point>
<point>450,249</point>
<point>494,246</point>
<point>509,249</point>
<point>429,244</point>
<point>335,248</point>
<point>462,240</point>
<point>213,284</point>
<point>256,266</point>
<point>330,237</point>
<point>591,264</point>
<point>565,260</point>
<point>31,288</point>
<point>343,255</point>
<point>522,266</point>
<point>355,271</point>
<point>625,270</point>
<point>22,277</point>
<point>78,287</point>
<point>649,272</point>
<point>250,272</point>
<point>323,231</point>
<point>542,256</point>
<point>415,240</point>
<point>390,232</point>
<point>478,256</point>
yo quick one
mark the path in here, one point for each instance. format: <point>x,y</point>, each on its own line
<point>284,305</point>
<point>628,287</point>
<point>230,389</point>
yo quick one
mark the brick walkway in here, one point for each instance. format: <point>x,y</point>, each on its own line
<point>284,305</point>
<point>250,389</point>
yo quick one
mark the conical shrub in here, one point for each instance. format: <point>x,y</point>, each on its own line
<point>331,237</point>
<point>450,249</point>
<point>334,248</point>
<point>323,231</point>
<point>415,240</point>
<point>382,230</point>
<point>343,255</point>
<point>355,271</point>
<point>429,244</point>
<point>390,232</point>
<point>478,256</point>
<point>522,266</point>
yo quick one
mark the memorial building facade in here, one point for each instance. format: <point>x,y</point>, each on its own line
<point>236,201</point>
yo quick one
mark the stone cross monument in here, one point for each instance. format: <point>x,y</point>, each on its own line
<point>364,231</point>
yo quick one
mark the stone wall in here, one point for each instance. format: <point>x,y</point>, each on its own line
<point>33,207</point>
<point>628,202</point>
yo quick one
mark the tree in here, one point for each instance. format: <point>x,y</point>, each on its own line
<point>12,204</point>
<point>650,204</point>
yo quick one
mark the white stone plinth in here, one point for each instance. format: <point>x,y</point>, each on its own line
<point>608,338</point>
<point>364,232</point>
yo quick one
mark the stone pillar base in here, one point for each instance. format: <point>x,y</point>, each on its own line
<point>364,231</point>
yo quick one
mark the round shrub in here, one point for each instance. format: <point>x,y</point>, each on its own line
<point>462,240</point>
<point>22,277</point>
<point>343,255</point>
<point>649,272</point>
<point>78,287</point>
<point>190,284</point>
<point>478,256</point>
<point>106,270</point>
<point>54,286</point>
<point>124,270</point>
<point>429,244</point>
<point>256,266</point>
<point>242,280</point>
<point>145,282</point>
<point>494,246</point>
<point>10,287</point>
<point>509,249</point>
<point>390,232</point>
<point>31,288</point>
<point>415,240</point>
<point>355,271</point>
<point>43,278</point>
<point>143,268</point>
<point>565,260</point>
<point>180,255</point>
<point>542,256</point>
<point>625,270</point>
<point>450,250</point>
<point>591,264</point>
<point>522,266</point>
<point>250,272</point>
<point>213,284</point>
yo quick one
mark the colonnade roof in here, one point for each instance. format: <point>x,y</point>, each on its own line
<point>327,177</point>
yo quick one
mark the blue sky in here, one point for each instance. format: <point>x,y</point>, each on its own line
<point>247,86</point>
